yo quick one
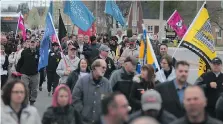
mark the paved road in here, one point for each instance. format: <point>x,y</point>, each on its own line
<point>44,101</point>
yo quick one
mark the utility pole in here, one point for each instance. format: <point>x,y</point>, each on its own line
<point>161,28</point>
<point>134,20</point>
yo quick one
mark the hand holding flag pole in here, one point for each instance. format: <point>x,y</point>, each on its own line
<point>58,41</point>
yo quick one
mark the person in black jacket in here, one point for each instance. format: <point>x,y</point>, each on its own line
<point>141,83</point>
<point>211,82</point>
<point>53,61</point>
<point>81,71</point>
<point>113,44</point>
<point>4,66</point>
<point>172,92</point>
<point>152,106</point>
<point>61,111</point>
<point>104,49</point>
<point>219,108</point>
<point>121,79</point>
<point>90,51</point>
<point>28,67</point>
<point>194,104</point>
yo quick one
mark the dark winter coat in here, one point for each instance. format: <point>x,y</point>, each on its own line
<point>170,98</point>
<point>53,61</point>
<point>208,120</point>
<point>121,81</point>
<point>61,115</point>
<point>72,79</point>
<point>6,63</point>
<point>138,86</point>
<point>163,118</point>
<point>212,94</point>
<point>90,52</point>
<point>219,108</point>
<point>28,63</point>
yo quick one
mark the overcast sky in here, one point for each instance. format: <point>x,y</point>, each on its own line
<point>6,3</point>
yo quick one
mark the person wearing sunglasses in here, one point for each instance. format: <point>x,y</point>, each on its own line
<point>16,109</point>
<point>172,92</point>
<point>89,90</point>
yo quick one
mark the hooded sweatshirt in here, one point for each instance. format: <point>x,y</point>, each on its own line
<point>61,115</point>
<point>63,66</point>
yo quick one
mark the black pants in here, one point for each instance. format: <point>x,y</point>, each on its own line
<point>3,80</point>
<point>42,77</point>
<point>52,80</point>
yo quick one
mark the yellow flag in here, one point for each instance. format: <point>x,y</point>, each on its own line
<point>141,49</point>
<point>199,39</point>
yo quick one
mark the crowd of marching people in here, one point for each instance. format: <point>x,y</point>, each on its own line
<point>94,81</point>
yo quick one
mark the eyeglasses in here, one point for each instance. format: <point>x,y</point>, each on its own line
<point>18,92</point>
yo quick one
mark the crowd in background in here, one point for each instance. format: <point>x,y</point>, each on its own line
<point>93,80</point>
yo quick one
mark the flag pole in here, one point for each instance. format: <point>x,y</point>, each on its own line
<point>152,52</point>
<point>171,16</point>
<point>58,41</point>
<point>189,29</point>
<point>17,24</point>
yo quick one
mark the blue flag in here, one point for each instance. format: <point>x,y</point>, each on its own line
<point>45,43</point>
<point>112,9</point>
<point>79,14</point>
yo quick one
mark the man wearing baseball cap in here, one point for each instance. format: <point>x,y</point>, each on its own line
<point>121,79</point>
<point>212,83</point>
<point>54,59</point>
<point>152,106</point>
<point>103,54</point>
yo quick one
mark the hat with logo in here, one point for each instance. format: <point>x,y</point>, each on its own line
<point>216,60</point>
<point>104,48</point>
<point>151,100</point>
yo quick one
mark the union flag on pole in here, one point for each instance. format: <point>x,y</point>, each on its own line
<point>21,26</point>
<point>177,24</point>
